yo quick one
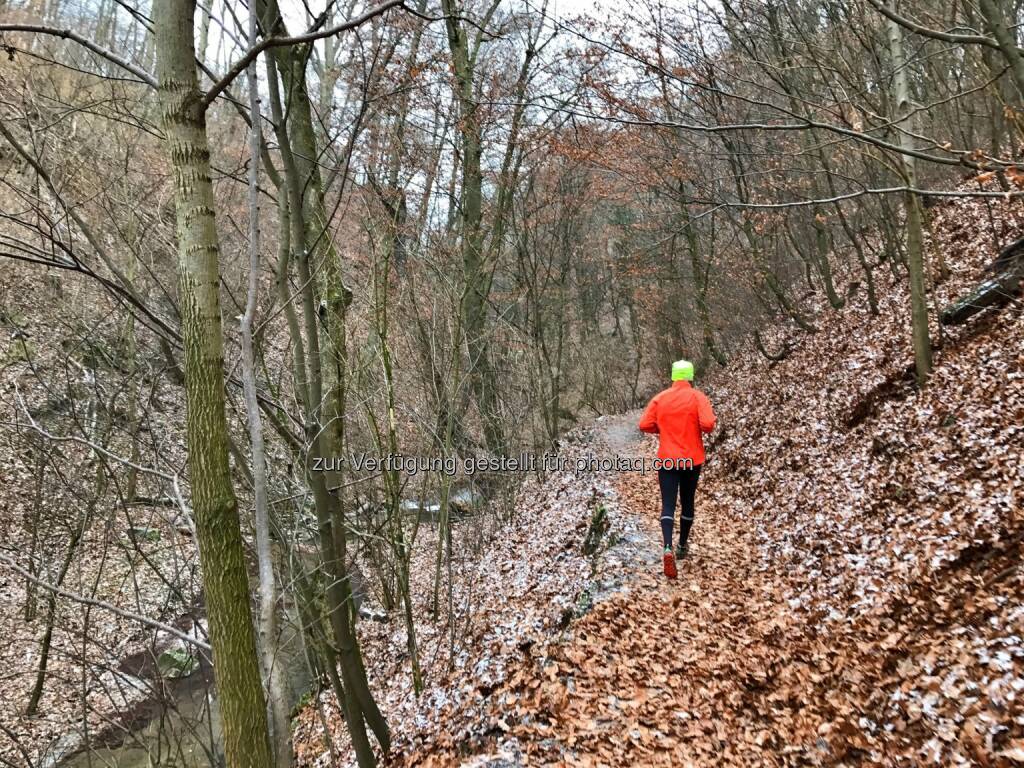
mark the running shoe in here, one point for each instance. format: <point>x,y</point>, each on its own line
<point>669,560</point>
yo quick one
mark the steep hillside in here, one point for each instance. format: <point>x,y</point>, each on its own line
<point>893,516</point>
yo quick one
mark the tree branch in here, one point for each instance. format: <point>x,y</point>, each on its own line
<point>184,636</point>
<point>67,34</point>
<point>961,158</point>
<point>936,34</point>
<point>307,37</point>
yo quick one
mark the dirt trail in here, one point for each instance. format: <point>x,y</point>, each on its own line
<point>662,673</point>
<point>714,668</point>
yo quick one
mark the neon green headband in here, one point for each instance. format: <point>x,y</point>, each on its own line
<point>682,370</point>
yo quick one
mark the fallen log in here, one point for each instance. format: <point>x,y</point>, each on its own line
<point>994,292</point>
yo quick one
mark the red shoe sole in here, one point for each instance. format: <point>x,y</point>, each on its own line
<point>669,561</point>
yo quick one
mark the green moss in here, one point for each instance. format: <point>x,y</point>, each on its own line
<point>177,662</point>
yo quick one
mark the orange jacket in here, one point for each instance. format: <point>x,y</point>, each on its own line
<point>678,415</point>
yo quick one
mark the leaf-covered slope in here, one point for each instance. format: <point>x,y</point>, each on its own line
<point>893,517</point>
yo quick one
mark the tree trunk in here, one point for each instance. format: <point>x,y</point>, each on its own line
<point>218,533</point>
<point>915,237</point>
<point>996,24</point>
<point>32,708</point>
<point>475,274</point>
<point>700,282</point>
<point>324,371</point>
<point>269,634</point>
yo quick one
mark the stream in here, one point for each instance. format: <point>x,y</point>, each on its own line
<point>178,723</point>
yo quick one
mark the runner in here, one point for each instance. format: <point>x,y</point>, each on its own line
<point>679,416</point>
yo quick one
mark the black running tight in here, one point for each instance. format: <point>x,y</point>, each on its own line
<point>681,483</point>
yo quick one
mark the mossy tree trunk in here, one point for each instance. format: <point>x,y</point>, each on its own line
<point>225,580</point>
<point>321,365</point>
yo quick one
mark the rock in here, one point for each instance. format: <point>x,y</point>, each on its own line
<point>184,525</point>
<point>509,755</point>
<point>176,658</point>
<point>427,511</point>
<point>372,615</point>
<point>60,749</point>
<point>462,503</point>
<point>177,663</point>
<point>358,584</point>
